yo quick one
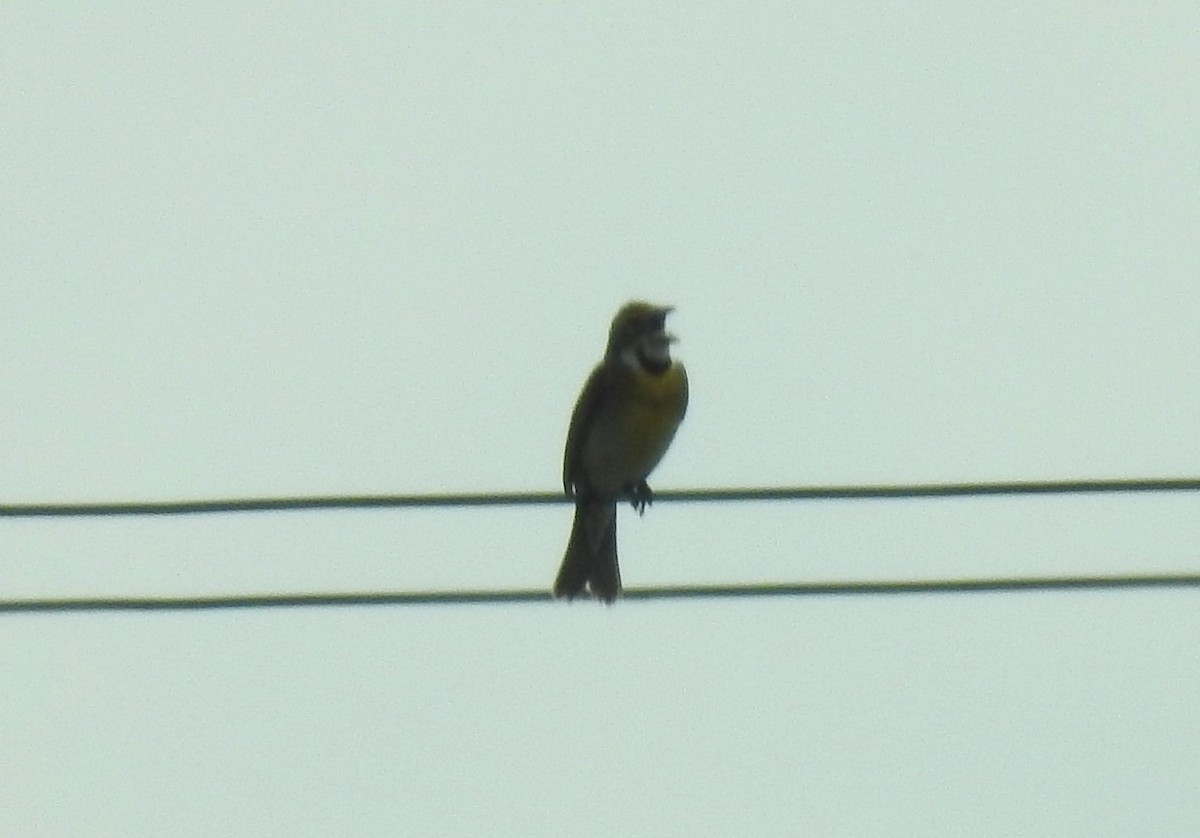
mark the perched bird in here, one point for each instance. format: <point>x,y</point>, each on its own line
<point>624,420</point>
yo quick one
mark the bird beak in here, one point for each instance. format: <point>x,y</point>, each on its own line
<point>670,337</point>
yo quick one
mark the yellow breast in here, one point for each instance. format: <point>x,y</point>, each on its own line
<point>632,436</point>
<point>661,398</point>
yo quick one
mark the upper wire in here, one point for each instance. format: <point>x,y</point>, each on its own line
<point>898,491</point>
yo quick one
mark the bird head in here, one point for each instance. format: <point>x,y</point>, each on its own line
<point>638,336</point>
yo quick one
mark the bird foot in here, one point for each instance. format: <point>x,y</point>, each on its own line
<point>640,496</point>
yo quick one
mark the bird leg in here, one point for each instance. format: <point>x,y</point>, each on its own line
<point>640,496</point>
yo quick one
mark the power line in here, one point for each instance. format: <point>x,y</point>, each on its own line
<point>664,592</point>
<point>277,504</point>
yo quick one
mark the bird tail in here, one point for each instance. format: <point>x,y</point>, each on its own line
<point>591,556</point>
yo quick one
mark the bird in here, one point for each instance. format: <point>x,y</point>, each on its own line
<point>622,424</point>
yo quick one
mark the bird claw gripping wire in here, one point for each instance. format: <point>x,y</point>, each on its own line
<point>640,496</point>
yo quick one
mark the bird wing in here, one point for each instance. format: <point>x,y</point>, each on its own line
<point>586,409</point>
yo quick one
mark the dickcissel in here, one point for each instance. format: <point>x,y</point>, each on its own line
<point>623,422</point>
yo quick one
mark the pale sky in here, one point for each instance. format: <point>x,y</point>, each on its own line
<point>258,250</point>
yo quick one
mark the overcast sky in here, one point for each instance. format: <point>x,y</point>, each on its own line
<point>258,249</point>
